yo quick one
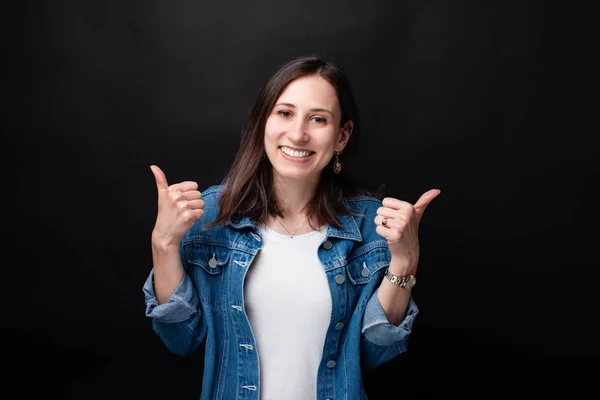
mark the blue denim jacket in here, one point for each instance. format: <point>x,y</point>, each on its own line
<point>208,305</point>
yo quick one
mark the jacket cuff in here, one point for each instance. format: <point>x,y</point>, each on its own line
<point>378,330</point>
<point>182,304</point>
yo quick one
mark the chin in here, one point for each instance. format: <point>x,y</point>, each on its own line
<point>297,175</point>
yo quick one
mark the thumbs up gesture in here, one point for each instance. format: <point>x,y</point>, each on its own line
<point>179,206</point>
<point>398,222</point>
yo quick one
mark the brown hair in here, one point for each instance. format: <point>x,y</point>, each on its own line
<point>248,185</point>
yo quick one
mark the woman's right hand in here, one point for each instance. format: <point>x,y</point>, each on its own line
<point>179,206</point>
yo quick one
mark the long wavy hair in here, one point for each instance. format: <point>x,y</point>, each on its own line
<point>248,184</point>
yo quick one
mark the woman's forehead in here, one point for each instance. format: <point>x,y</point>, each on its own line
<point>310,92</point>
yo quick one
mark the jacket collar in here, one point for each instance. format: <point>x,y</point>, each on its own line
<point>350,229</point>
<point>242,222</point>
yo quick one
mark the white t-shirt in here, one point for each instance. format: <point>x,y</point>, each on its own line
<point>288,302</point>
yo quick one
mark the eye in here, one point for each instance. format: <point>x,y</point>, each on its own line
<point>284,113</point>
<point>320,120</point>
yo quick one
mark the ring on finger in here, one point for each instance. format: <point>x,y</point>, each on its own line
<point>384,221</point>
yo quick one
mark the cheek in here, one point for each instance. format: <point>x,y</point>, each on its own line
<point>270,128</point>
<point>329,139</point>
<point>268,131</point>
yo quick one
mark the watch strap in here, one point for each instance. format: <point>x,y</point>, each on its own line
<point>398,280</point>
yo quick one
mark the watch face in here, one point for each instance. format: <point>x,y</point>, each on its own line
<point>411,282</point>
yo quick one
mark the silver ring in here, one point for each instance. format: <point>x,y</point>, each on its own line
<point>384,221</point>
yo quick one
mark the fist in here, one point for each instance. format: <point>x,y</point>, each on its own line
<point>398,222</point>
<point>179,206</point>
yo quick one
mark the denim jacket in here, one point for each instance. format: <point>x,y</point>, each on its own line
<point>207,307</point>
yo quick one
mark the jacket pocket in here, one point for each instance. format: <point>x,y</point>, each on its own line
<point>366,261</point>
<point>211,259</point>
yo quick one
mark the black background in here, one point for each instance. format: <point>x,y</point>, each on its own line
<point>489,101</point>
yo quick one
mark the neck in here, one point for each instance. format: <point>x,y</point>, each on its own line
<point>294,196</point>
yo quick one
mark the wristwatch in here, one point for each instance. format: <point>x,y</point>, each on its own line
<point>406,282</point>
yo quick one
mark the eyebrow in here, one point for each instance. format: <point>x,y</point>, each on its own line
<point>312,109</point>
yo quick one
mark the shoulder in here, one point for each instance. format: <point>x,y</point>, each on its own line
<point>364,209</point>
<point>363,204</point>
<point>212,192</point>
<point>210,196</point>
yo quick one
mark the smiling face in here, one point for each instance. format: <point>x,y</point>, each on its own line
<point>303,130</point>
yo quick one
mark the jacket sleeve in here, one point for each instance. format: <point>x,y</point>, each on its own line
<point>382,341</point>
<point>179,321</point>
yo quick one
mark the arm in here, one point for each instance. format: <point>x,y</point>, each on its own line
<point>168,270</point>
<point>398,222</point>
<point>391,311</point>
<point>178,319</point>
<point>393,298</point>
<point>382,340</point>
<point>169,292</point>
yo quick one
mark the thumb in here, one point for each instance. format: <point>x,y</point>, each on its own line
<point>424,200</point>
<point>161,179</point>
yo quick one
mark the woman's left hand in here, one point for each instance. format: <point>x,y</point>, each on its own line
<point>398,222</point>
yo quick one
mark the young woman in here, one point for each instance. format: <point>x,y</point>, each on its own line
<point>294,279</point>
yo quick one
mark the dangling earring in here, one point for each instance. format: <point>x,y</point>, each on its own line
<point>337,165</point>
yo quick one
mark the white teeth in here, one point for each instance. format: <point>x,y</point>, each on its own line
<point>294,153</point>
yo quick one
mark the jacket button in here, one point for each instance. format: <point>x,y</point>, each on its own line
<point>365,272</point>
<point>327,245</point>
<point>212,263</point>
<point>339,279</point>
<point>330,364</point>
<point>339,326</point>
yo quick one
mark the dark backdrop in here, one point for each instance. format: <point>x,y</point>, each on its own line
<point>485,100</point>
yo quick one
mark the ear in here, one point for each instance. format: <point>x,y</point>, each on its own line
<point>345,133</point>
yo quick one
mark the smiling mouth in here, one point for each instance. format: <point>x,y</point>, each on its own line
<point>296,153</point>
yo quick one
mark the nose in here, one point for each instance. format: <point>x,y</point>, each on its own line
<point>297,131</point>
